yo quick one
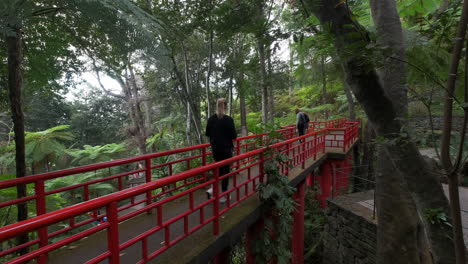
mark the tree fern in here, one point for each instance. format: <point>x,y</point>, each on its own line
<point>95,154</point>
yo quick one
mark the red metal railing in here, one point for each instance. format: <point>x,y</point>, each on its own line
<point>160,192</point>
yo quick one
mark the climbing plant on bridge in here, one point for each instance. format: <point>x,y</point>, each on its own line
<point>273,242</point>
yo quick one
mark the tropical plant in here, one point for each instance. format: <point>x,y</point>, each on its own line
<point>45,148</point>
<point>95,154</point>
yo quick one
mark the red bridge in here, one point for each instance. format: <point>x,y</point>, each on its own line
<point>168,218</point>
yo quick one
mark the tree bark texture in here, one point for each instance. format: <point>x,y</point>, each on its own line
<point>242,105</point>
<point>263,78</point>
<point>260,43</point>
<point>424,186</point>
<point>133,99</point>
<point>271,95</point>
<point>194,109</point>
<point>15,83</point>
<point>350,100</point>
<point>291,66</point>
<point>208,74</point>
<point>148,110</point>
<point>136,111</point>
<point>368,157</point>
<point>397,241</point>
<point>230,95</point>
<point>324,85</point>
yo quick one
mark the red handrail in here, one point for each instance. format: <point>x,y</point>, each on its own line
<point>299,153</point>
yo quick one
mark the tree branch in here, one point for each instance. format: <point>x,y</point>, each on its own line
<point>98,77</point>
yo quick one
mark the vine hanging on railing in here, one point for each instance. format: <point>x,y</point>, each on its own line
<point>273,242</point>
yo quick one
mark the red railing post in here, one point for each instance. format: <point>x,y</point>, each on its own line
<point>238,143</point>
<point>40,210</point>
<point>252,233</point>
<point>310,180</point>
<point>261,166</point>
<point>216,202</point>
<point>345,137</point>
<point>204,162</point>
<point>113,233</point>
<point>325,181</point>
<point>148,179</point>
<point>288,150</point>
<point>144,249</point>
<point>303,156</point>
<point>297,247</point>
<point>324,138</point>
<point>316,149</point>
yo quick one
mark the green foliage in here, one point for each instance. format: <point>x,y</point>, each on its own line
<point>47,144</point>
<point>276,193</point>
<point>97,119</point>
<point>319,108</point>
<point>95,154</point>
<point>46,109</point>
<point>314,224</point>
<point>437,216</point>
<point>410,8</point>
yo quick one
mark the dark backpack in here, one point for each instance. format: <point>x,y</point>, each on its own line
<point>306,118</point>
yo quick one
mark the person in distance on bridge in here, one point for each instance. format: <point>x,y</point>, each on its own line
<point>302,122</point>
<point>221,131</point>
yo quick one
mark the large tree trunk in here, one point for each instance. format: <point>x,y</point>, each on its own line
<point>15,83</point>
<point>396,239</point>
<point>140,123</point>
<point>136,111</point>
<point>424,186</point>
<point>368,158</point>
<point>148,110</point>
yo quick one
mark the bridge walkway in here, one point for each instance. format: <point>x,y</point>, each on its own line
<point>155,222</point>
<point>197,247</point>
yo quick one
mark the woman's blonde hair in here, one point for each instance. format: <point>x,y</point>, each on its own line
<point>220,107</point>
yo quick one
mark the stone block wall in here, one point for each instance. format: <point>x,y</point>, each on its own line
<point>422,122</point>
<point>351,232</point>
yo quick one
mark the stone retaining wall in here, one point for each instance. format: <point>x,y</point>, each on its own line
<point>351,232</point>
<point>422,122</point>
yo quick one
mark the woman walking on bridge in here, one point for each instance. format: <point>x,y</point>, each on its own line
<point>221,131</point>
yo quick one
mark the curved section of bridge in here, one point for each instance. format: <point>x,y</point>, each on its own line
<point>159,211</point>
